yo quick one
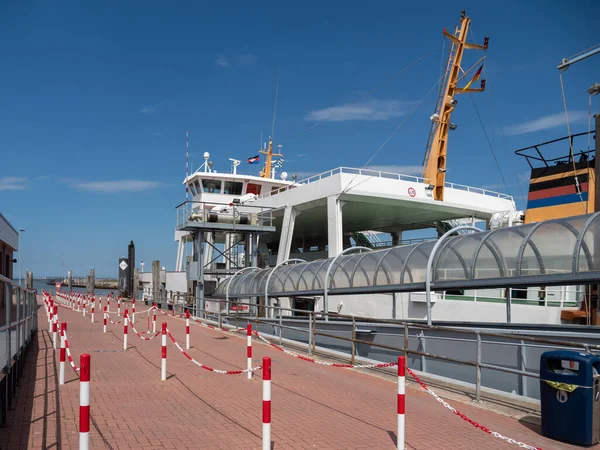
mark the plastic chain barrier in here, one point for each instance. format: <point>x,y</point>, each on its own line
<point>465,418</point>
<point>296,355</point>
<point>69,357</point>
<point>140,334</point>
<point>210,369</point>
<point>167,314</point>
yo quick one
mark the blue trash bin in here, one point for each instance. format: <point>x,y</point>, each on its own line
<point>570,396</point>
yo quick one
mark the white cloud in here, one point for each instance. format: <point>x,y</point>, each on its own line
<point>116,186</point>
<point>150,109</point>
<point>402,170</point>
<point>13,183</point>
<point>373,109</point>
<point>221,61</point>
<point>545,123</point>
<point>249,59</point>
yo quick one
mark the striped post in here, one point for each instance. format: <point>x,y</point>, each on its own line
<point>63,354</point>
<point>93,308</point>
<point>125,323</point>
<point>249,350</point>
<point>133,310</point>
<point>401,402</point>
<point>54,328</point>
<point>84,305</point>
<point>84,402</point>
<point>118,306</point>
<point>105,314</point>
<point>50,317</point>
<point>154,318</point>
<point>78,302</point>
<point>187,329</point>
<point>266,406</point>
<point>108,305</point>
<point>163,363</point>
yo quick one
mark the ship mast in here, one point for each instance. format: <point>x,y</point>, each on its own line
<point>266,171</point>
<point>434,164</point>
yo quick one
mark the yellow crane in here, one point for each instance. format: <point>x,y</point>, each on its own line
<point>434,162</point>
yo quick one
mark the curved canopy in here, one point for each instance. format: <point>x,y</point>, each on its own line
<point>562,251</point>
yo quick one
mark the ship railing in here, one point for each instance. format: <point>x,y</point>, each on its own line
<point>194,212</point>
<point>358,339</point>
<point>568,296</point>
<point>382,174</point>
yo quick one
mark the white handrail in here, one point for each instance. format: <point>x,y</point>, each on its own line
<point>387,175</point>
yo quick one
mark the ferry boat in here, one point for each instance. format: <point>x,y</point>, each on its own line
<point>321,216</point>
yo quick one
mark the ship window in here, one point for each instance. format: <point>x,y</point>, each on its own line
<point>212,186</point>
<point>253,189</point>
<point>191,187</point>
<point>197,186</point>
<point>232,188</point>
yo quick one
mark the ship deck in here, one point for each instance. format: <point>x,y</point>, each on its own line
<point>382,201</point>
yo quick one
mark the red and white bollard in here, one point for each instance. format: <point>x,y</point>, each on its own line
<point>266,406</point>
<point>50,317</point>
<point>249,350</point>
<point>105,315</point>
<point>84,305</point>
<point>125,323</point>
<point>133,310</point>
<point>54,330</point>
<point>187,329</point>
<point>63,351</point>
<point>401,402</point>
<point>154,319</point>
<point>93,308</point>
<point>108,306</point>
<point>84,402</point>
<point>78,302</point>
<point>163,362</point>
<point>118,306</point>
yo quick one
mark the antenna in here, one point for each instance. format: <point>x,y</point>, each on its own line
<point>187,168</point>
<point>235,163</point>
<point>275,107</point>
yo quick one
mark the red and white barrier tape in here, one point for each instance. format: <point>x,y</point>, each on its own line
<point>210,369</point>
<point>465,418</point>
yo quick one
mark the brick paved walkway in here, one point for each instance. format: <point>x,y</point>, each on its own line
<point>313,406</point>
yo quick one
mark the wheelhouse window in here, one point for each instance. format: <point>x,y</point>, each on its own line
<point>197,186</point>
<point>212,186</point>
<point>253,189</point>
<point>232,188</point>
<point>191,188</point>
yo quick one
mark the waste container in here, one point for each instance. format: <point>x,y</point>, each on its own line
<point>570,396</point>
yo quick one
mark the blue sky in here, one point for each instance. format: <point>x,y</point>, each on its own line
<point>96,99</point>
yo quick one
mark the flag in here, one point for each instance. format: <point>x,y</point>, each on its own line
<point>254,159</point>
<point>475,78</point>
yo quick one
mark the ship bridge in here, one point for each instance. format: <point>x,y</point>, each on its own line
<point>327,208</point>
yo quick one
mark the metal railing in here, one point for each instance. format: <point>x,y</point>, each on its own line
<point>307,323</point>
<point>386,175</point>
<point>20,322</point>
<point>192,212</point>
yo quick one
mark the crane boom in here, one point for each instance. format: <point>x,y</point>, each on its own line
<point>434,164</point>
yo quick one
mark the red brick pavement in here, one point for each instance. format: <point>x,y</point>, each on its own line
<point>313,406</point>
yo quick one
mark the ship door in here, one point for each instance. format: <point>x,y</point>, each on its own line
<point>303,304</point>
